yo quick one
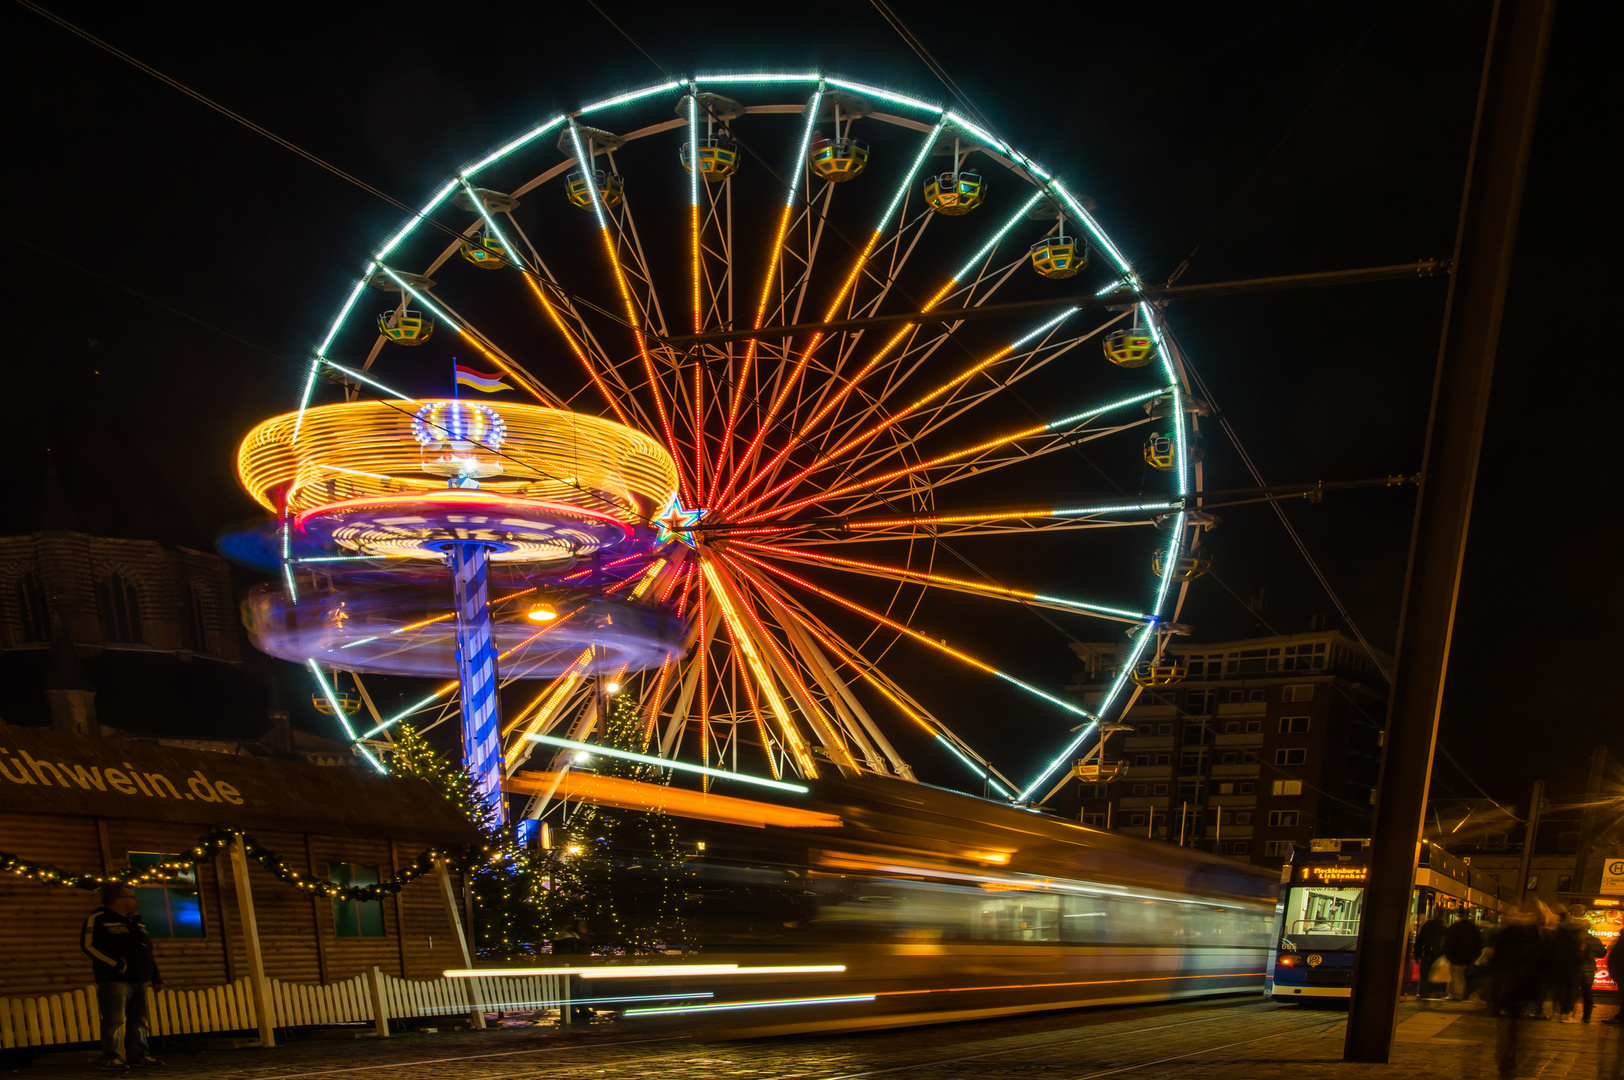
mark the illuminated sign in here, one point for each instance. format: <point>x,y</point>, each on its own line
<point>1332,875</point>
<point>1612,875</point>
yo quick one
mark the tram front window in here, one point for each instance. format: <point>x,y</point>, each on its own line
<point>1322,916</point>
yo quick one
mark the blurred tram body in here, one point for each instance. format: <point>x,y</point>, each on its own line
<point>948,907</point>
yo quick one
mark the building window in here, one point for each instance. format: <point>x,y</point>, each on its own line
<point>1233,727</point>
<point>1237,695</point>
<point>197,618</point>
<point>1229,758</point>
<point>1255,695</point>
<point>1143,729</point>
<point>1226,789</point>
<point>1243,817</point>
<point>1137,819</point>
<point>1164,759</point>
<point>1564,883</point>
<point>1248,757</point>
<point>1247,789</point>
<point>120,609</point>
<point>1141,759</point>
<point>1199,702</point>
<point>1293,725</point>
<point>1282,819</point>
<point>1288,787</point>
<point>1140,789</point>
<point>356,918</point>
<point>1159,789</point>
<point>1190,789</point>
<point>1298,692</point>
<point>32,610</point>
<point>1194,733</point>
<point>1293,756</point>
<point>1242,847</point>
<point>1277,848</point>
<point>171,910</point>
<point>1095,820</point>
<point>1164,729</point>
<point>1254,727</point>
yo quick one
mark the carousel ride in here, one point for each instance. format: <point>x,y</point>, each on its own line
<point>807,372</point>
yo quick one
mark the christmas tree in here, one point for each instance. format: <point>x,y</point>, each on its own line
<point>511,912</point>
<point>622,870</point>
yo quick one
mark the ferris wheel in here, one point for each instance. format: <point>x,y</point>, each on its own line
<point>759,339</point>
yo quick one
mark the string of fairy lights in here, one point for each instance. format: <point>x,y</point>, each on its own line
<point>214,843</point>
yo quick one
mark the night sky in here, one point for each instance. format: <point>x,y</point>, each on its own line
<point>1266,138</point>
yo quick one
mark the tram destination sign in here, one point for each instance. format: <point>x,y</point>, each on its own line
<point>1336,874</point>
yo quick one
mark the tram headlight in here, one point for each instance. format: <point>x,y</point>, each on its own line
<point>1289,961</point>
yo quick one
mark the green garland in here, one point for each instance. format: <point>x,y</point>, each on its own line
<point>212,844</point>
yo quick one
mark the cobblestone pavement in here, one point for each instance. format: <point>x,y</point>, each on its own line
<point>1239,1039</point>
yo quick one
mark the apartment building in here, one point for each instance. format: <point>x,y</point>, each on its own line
<point>1261,744</point>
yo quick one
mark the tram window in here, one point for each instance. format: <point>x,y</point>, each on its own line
<point>1085,918</point>
<point>1293,756</point>
<point>1317,910</point>
<point>1020,917</point>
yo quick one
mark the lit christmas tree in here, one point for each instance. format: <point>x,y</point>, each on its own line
<point>622,870</point>
<point>510,906</point>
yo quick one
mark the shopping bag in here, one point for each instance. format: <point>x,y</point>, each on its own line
<point>1439,971</point>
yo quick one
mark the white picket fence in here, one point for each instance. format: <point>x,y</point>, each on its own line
<point>72,1016</point>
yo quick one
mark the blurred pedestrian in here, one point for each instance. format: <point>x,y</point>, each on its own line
<point>1591,949</point>
<point>1516,979</point>
<point>1566,963</point>
<point>1429,946</point>
<point>123,966</point>
<point>1463,942</point>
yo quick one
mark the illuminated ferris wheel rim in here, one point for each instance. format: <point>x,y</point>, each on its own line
<point>914,113</point>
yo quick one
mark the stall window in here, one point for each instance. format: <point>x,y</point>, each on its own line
<point>171,910</point>
<point>356,918</point>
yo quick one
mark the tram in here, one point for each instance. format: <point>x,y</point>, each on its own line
<point>939,906</point>
<point>1316,924</point>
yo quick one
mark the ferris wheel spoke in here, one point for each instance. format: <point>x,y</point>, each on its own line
<point>989,590</point>
<point>870,672</point>
<point>577,334</point>
<point>854,718</point>
<point>1066,424</point>
<point>924,639</point>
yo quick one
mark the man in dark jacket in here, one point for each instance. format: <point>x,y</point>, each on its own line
<point>1429,946</point>
<point>122,962</point>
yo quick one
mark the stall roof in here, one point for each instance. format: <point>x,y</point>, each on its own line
<point>47,772</point>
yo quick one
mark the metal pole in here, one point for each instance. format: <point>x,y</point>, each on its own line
<point>1530,838</point>
<point>1587,824</point>
<point>1508,99</point>
<point>476,672</point>
<point>1184,816</point>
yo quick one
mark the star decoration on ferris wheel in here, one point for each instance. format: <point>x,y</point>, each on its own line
<point>676,522</point>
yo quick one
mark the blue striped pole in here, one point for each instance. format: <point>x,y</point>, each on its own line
<point>476,672</point>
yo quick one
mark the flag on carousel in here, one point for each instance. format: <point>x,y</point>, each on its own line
<point>479,380</point>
